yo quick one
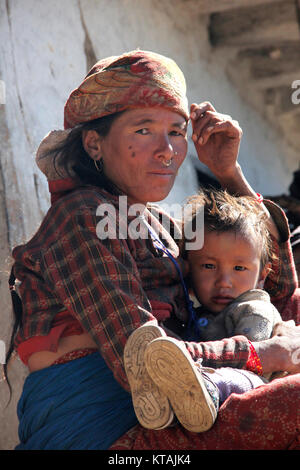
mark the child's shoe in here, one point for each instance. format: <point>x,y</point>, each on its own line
<point>152,407</point>
<point>192,394</point>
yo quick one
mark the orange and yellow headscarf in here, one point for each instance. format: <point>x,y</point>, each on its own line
<point>134,79</point>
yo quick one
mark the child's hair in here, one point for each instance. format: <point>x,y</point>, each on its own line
<point>239,214</point>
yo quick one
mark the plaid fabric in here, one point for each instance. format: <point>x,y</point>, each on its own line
<point>107,285</point>
<point>282,281</point>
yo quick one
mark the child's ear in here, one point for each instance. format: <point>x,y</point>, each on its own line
<point>263,275</point>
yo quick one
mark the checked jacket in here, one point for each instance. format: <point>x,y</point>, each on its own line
<point>110,285</point>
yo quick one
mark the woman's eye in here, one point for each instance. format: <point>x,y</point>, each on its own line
<point>143,131</point>
<point>178,134</point>
<point>239,268</point>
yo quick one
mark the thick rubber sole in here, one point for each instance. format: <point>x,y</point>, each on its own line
<point>152,407</point>
<point>174,372</point>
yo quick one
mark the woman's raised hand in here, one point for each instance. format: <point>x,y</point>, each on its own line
<point>217,139</point>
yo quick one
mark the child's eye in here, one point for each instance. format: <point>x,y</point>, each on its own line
<point>240,268</point>
<point>209,266</point>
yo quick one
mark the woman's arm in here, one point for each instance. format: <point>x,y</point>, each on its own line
<point>217,140</point>
<point>281,282</point>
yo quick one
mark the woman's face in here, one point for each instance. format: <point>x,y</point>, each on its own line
<point>139,142</point>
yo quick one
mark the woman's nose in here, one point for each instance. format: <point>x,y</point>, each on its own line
<point>164,148</point>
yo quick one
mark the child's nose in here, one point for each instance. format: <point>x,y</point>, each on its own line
<point>223,279</point>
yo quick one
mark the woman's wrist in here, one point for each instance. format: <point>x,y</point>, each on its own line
<point>270,353</point>
<point>234,181</point>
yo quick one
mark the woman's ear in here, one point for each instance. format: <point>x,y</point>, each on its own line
<point>263,275</point>
<point>91,142</point>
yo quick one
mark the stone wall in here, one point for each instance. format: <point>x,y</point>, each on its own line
<point>46,49</point>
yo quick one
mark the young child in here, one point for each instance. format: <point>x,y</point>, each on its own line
<point>227,275</point>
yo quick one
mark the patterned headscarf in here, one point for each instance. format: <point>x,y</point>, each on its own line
<point>134,79</point>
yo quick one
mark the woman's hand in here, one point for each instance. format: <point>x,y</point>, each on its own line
<point>217,139</point>
<point>282,351</point>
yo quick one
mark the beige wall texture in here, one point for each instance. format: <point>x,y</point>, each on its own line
<point>46,48</point>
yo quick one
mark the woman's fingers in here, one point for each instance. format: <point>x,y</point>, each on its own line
<point>217,139</point>
<point>229,127</point>
<point>198,109</point>
<point>209,122</point>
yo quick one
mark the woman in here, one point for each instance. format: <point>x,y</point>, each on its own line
<point>85,290</point>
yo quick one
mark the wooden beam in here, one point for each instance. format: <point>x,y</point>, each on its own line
<point>248,26</point>
<point>278,80</point>
<point>213,6</point>
<point>272,66</point>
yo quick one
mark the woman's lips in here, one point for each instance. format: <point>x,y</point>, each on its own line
<point>162,173</point>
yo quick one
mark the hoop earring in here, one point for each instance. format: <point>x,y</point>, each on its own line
<point>99,166</point>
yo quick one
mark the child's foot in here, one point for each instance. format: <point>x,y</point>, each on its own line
<point>152,407</point>
<point>192,395</point>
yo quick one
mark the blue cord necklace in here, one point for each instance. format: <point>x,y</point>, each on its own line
<point>194,324</point>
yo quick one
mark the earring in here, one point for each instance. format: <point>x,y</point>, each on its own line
<point>99,166</point>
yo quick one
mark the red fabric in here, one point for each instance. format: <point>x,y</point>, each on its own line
<point>259,197</point>
<point>253,363</point>
<point>267,418</point>
<point>64,325</point>
<point>58,188</point>
<point>161,310</point>
<point>72,355</point>
<point>290,309</point>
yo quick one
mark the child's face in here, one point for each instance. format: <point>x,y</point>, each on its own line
<point>227,266</point>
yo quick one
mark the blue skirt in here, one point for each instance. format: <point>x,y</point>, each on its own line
<point>77,405</point>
